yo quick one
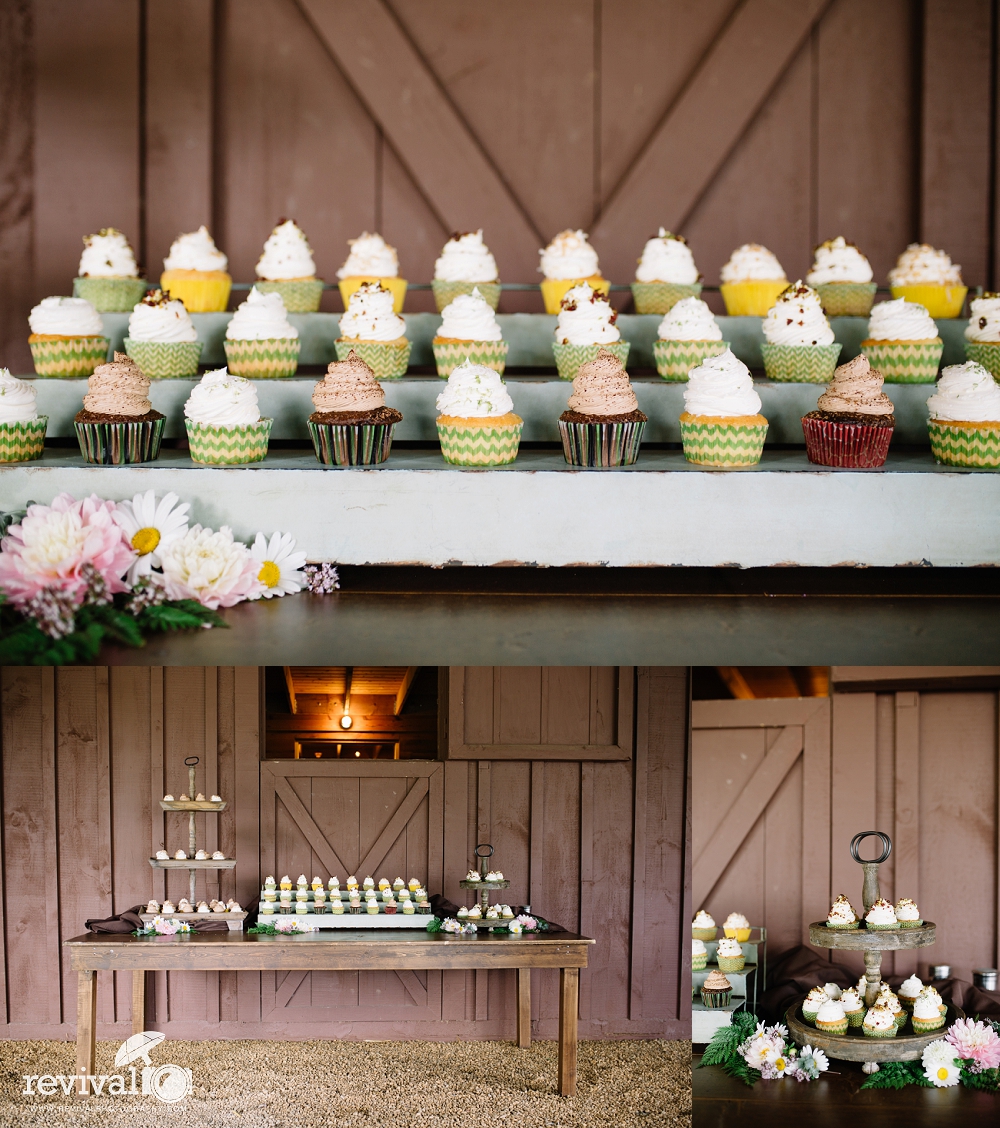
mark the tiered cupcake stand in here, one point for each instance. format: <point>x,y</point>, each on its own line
<point>484,852</point>
<point>854,1045</point>
<point>746,985</point>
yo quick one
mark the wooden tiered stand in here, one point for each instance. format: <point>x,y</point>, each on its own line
<point>484,886</point>
<point>855,1046</point>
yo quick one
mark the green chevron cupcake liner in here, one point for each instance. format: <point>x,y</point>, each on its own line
<point>387,359</point>
<point>800,364</point>
<point>926,1025</point>
<point>351,444</point>
<point>908,924</point>
<point>601,444</point>
<point>856,1018</point>
<point>446,292</point>
<point>870,1033</point>
<point>68,356</point>
<point>846,299</point>
<point>699,962</point>
<point>839,1027</point>
<point>263,360</point>
<point>111,295</point>
<point>661,297</point>
<point>985,353</point>
<point>973,446</point>
<point>300,296</point>
<point>570,357</point>
<point>724,446</point>
<point>120,444</point>
<point>731,963</point>
<point>165,360</point>
<point>228,446</point>
<point>23,441</point>
<point>479,446</point>
<point>675,359</point>
<point>905,362</point>
<point>449,355</point>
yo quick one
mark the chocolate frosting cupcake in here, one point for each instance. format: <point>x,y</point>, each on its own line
<point>855,395</point>
<point>350,394</point>
<point>117,392</point>
<point>602,393</point>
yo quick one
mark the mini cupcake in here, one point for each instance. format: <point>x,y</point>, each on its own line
<point>602,424</point>
<point>687,335</point>
<point>798,341</point>
<point>812,1002</point>
<point>286,882</point>
<point>568,261</point>
<point>903,343</point>
<point>928,276</point>
<point>286,267</point>
<point>195,272</point>
<point>424,907</point>
<point>703,926</point>
<point>118,425</point>
<point>371,260</point>
<point>477,425</point>
<point>982,334</point>
<point>716,991</point>
<point>964,422</point>
<point>586,324</point>
<point>374,331</point>
<point>699,955</point>
<point>736,927</point>
<point>841,914</point>
<point>108,275</point>
<point>162,339</point>
<point>881,916</point>
<point>879,1022</point>
<point>853,422</point>
<point>260,341</point>
<point>372,907</point>
<point>465,264</point>
<point>907,913</point>
<point>931,991</point>
<point>355,903</point>
<point>409,908</point>
<point>842,277</point>
<point>890,999</point>
<point>223,421</point>
<point>666,274</point>
<point>854,1007</point>
<point>22,429</point>
<point>721,425</point>
<point>908,991</point>
<point>469,331</point>
<point>67,337</point>
<point>832,990</point>
<point>831,1018</point>
<point>751,281</point>
<point>926,1015</point>
<point>337,907</point>
<point>729,955</point>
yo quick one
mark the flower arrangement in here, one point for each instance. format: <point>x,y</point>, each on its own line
<point>752,1051</point>
<point>163,926</point>
<point>515,927</point>
<point>450,924</point>
<point>283,926</point>
<point>969,1055</point>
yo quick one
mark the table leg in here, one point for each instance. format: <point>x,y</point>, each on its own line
<point>524,1007</point>
<point>138,1001</point>
<point>86,1029</point>
<point>569,1002</point>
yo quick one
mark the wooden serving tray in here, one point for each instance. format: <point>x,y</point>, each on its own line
<point>855,1046</point>
<point>234,920</point>
<point>193,863</point>
<point>192,805</point>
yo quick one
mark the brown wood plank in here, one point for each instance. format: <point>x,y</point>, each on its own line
<point>906,804</point>
<point>815,848</point>
<point>566,705</point>
<point>569,987</point>
<point>86,1029</point>
<point>885,798</point>
<point>586,919</point>
<point>517,705</point>
<point>524,1007</point>
<point>248,808</point>
<point>484,818</point>
<point>639,830</point>
<point>138,1001</point>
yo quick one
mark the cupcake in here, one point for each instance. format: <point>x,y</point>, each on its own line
<point>812,1002</point>
<point>716,991</point>
<point>409,908</point>
<point>666,273</point>
<point>260,341</point>
<point>286,267</point>
<point>831,1018</point>
<point>903,343</point>
<point>469,331</point>
<point>926,1015</point>
<point>729,955</point>
<point>721,425</point>
<point>602,424</point>
<point>854,1006</point>
<point>907,913</point>
<point>888,997</point>
<point>881,916</point>
<point>737,927</point>
<point>879,1022</point>
<point>841,914</point>
<point>118,424</point>
<point>223,422</point>
<point>699,955</point>
<point>798,341</point>
<point>465,264</point>
<point>908,991</point>
<point>195,272</point>
<point>566,262</point>
<point>108,275</point>
<point>703,926</point>
<point>337,907</point>
<point>285,883</point>
<point>477,425</point>
<point>67,337</point>
<point>842,277</point>
<point>22,429</point>
<point>586,324</point>
<point>982,334</point>
<point>161,337</point>
<point>686,336</point>
<point>853,422</point>
<point>928,276</point>
<point>351,425</point>
<point>751,281</point>
<point>931,991</point>
<point>964,422</point>
<point>374,331</point>
<point>371,259</point>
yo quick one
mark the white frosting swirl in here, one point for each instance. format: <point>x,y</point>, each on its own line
<point>164,321</point>
<point>474,391</point>
<point>66,317</point>
<point>370,317</point>
<point>667,258</point>
<point>736,920</point>
<point>262,317</point>
<point>926,1007</point>
<point>906,908</point>
<point>900,320</point>
<point>107,255</point>
<point>466,258</point>
<point>841,911</point>
<point>911,988</point>
<point>17,399</point>
<point>831,1011</point>
<point>569,255</point>
<point>223,400</point>
<point>922,264</point>
<point>836,260</point>
<point>470,317</point>
<point>729,947</point>
<point>966,393</point>
<point>881,912</point>
<point>984,320</point>
<point>702,920</point>
<point>721,386</point>
<point>586,318</point>
<point>286,255</point>
<point>195,251</point>
<point>690,319</point>
<point>752,263</point>
<point>370,257</point>
<point>698,948</point>
<point>879,1017</point>
<point>797,318</point>
<point>850,1000</point>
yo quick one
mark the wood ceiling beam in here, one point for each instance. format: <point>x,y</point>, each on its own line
<point>404,689</point>
<point>736,683</point>
<point>290,686</point>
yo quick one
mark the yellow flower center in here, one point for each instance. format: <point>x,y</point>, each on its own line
<point>779,1063</point>
<point>270,574</point>
<point>145,540</point>
<point>942,1074</point>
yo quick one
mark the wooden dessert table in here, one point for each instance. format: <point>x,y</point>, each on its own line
<point>326,951</point>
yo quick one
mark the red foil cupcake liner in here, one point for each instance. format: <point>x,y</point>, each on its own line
<point>853,446</point>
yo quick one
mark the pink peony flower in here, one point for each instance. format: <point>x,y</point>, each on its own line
<point>213,568</point>
<point>53,545</point>
<point>975,1041</point>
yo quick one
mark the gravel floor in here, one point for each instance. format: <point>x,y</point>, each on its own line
<point>362,1084</point>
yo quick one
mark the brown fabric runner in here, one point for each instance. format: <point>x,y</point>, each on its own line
<point>130,921</point>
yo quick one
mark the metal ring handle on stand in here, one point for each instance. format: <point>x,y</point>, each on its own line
<point>886,847</point>
<point>484,846</point>
<point>191,761</point>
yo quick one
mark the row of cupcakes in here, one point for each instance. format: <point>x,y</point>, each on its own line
<point>168,908</point>
<point>398,896</point>
<point>882,915</point>
<point>835,1011</point>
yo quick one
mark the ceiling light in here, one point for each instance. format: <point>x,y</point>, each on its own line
<point>357,753</point>
<point>345,721</point>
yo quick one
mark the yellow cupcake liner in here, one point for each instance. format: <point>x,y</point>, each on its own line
<point>740,934</point>
<point>201,291</point>
<point>751,299</point>
<point>555,289</point>
<point>347,286</point>
<point>942,302</point>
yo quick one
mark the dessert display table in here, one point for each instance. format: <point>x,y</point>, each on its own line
<point>329,951</point>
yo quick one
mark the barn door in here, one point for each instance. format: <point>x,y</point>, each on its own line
<point>337,819</point>
<point>761,812</point>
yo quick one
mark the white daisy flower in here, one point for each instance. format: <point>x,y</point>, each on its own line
<point>150,528</point>
<point>781,1063</point>
<point>943,1074</point>
<point>279,567</point>
<point>938,1052</point>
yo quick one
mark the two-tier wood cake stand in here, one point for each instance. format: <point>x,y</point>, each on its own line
<point>483,886</point>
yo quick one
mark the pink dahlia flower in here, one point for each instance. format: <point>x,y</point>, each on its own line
<point>975,1041</point>
<point>213,568</point>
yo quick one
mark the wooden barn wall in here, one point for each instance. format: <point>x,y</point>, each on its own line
<point>779,121</point>
<point>88,752</point>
